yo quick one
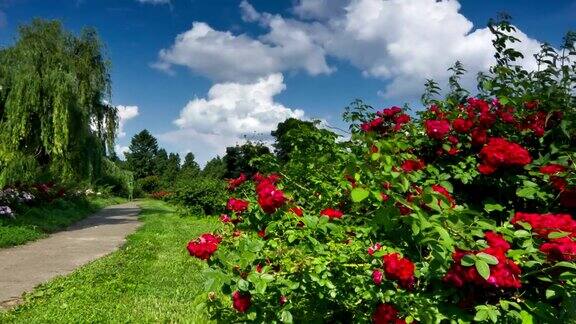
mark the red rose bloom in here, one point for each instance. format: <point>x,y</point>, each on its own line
<point>386,314</point>
<point>377,277</point>
<point>400,269</point>
<point>505,274</point>
<point>462,125</point>
<point>437,129</point>
<point>204,246</point>
<point>479,136</point>
<point>237,205</point>
<point>400,120</point>
<point>552,168</point>
<point>413,165</point>
<point>502,153</point>
<point>225,218</point>
<point>235,183</point>
<point>372,249</point>
<point>544,224</point>
<point>240,301</point>
<point>561,249</point>
<point>270,198</point>
<point>332,213</point>
<point>441,190</point>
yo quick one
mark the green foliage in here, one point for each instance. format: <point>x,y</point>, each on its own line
<point>116,180</point>
<point>293,136</point>
<point>54,118</point>
<point>215,168</point>
<point>143,159</point>
<point>200,196</point>
<point>239,157</point>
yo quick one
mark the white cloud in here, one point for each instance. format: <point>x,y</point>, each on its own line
<point>229,113</point>
<point>408,41</point>
<point>249,13</point>
<point>155,2</point>
<point>125,113</point>
<point>120,150</point>
<point>319,9</point>
<point>223,56</point>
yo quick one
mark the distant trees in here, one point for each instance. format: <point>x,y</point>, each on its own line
<point>302,136</point>
<point>237,158</point>
<point>54,119</point>
<point>143,157</point>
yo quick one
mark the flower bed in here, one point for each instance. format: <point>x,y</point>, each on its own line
<point>465,213</point>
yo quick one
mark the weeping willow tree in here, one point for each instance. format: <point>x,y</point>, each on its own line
<point>54,116</point>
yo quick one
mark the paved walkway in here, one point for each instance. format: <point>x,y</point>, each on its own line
<point>24,267</point>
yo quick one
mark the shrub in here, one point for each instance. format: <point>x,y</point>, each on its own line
<point>202,196</point>
<point>149,184</point>
<point>461,215</point>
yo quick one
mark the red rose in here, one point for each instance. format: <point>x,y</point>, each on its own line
<point>400,269</point>
<point>479,136</point>
<point>462,125</point>
<point>502,153</point>
<point>552,168</point>
<point>332,213</point>
<point>270,198</point>
<point>240,301</point>
<point>297,211</point>
<point>561,249</point>
<point>204,246</point>
<point>372,249</point>
<point>413,165</point>
<point>235,183</point>
<point>441,190</point>
<point>386,314</point>
<point>544,224</point>
<point>377,277</point>
<point>437,129</point>
<point>237,205</point>
<point>225,218</point>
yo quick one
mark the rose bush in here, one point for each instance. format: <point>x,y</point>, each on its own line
<point>463,214</point>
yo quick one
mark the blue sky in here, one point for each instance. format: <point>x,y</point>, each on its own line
<point>245,65</point>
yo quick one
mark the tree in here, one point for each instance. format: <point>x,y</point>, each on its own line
<point>237,158</point>
<point>190,165</point>
<point>54,118</point>
<point>142,156</point>
<point>293,134</point>
<point>161,162</point>
<point>215,168</point>
<point>171,169</point>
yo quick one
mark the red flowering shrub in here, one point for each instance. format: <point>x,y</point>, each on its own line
<point>465,214</point>
<point>235,183</point>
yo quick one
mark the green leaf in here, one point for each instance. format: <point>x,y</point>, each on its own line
<point>483,268</point>
<point>555,235</point>
<point>490,259</point>
<point>359,194</point>
<point>527,192</point>
<point>286,317</point>
<point>493,207</point>
<point>243,285</point>
<point>468,260</point>
<point>522,233</point>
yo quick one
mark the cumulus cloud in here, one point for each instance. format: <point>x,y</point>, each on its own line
<point>230,113</point>
<point>223,56</point>
<point>121,150</point>
<point>125,113</point>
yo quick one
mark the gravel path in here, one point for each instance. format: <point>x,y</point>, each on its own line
<point>24,267</point>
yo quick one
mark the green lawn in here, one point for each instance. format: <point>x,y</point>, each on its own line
<point>38,222</point>
<point>151,279</point>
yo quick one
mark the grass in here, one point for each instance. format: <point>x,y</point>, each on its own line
<point>38,222</point>
<point>151,279</point>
